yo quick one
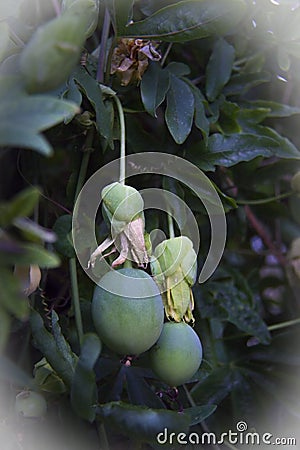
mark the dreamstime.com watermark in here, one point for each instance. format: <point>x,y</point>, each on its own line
<point>240,436</point>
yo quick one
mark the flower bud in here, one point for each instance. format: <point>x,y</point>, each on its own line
<point>52,52</point>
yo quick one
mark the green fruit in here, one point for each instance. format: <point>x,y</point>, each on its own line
<point>177,355</point>
<point>52,53</point>
<point>295,182</point>
<point>127,311</point>
<point>30,404</point>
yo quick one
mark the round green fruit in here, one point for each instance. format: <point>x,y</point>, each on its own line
<point>30,404</point>
<point>128,311</point>
<point>177,355</point>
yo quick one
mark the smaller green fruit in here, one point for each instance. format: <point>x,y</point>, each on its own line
<point>30,404</point>
<point>295,182</point>
<point>177,355</point>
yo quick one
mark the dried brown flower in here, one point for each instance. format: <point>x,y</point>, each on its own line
<point>130,59</point>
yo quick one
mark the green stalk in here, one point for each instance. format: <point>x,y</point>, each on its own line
<point>102,435</point>
<point>171,226</point>
<point>288,323</point>
<point>72,261</point>
<point>263,201</point>
<point>75,298</point>
<point>122,139</point>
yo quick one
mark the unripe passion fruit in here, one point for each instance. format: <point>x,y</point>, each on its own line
<point>128,311</point>
<point>177,355</point>
<point>30,404</point>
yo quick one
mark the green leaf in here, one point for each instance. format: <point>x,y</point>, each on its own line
<point>120,13</point>
<point>180,109</point>
<point>218,69</point>
<point>274,109</point>
<point>26,254</point>
<point>154,86</point>
<point>93,92</point>
<point>215,387</point>
<point>228,119</point>
<point>200,413</point>
<point>189,19</point>
<point>22,118</point>
<point>178,69</point>
<point>12,300</point>
<point>22,205</point>
<point>231,299</point>
<point>139,392</point>
<point>63,229</point>
<point>230,150</point>
<point>141,423</point>
<point>242,83</point>
<point>46,343</point>
<point>84,389</point>
<point>61,344</point>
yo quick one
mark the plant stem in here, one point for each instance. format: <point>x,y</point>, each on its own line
<point>288,323</point>
<point>103,45</point>
<point>122,139</point>
<point>171,226</point>
<point>166,54</point>
<point>75,298</point>
<point>102,436</point>
<point>264,200</point>
<point>84,161</point>
<point>72,261</point>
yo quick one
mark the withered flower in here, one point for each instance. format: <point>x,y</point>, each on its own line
<point>130,59</point>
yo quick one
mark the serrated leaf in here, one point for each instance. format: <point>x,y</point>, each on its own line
<point>180,109</point>
<point>61,344</point>
<point>84,389</point>
<point>189,19</point>
<point>154,86</point>
<point>45,342</point>
<point>218,69</point>
<point>18,136</point>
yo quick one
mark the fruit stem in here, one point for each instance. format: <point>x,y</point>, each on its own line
<point>122,139</point>
<point>75,298</point>
<point>171,226</point>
